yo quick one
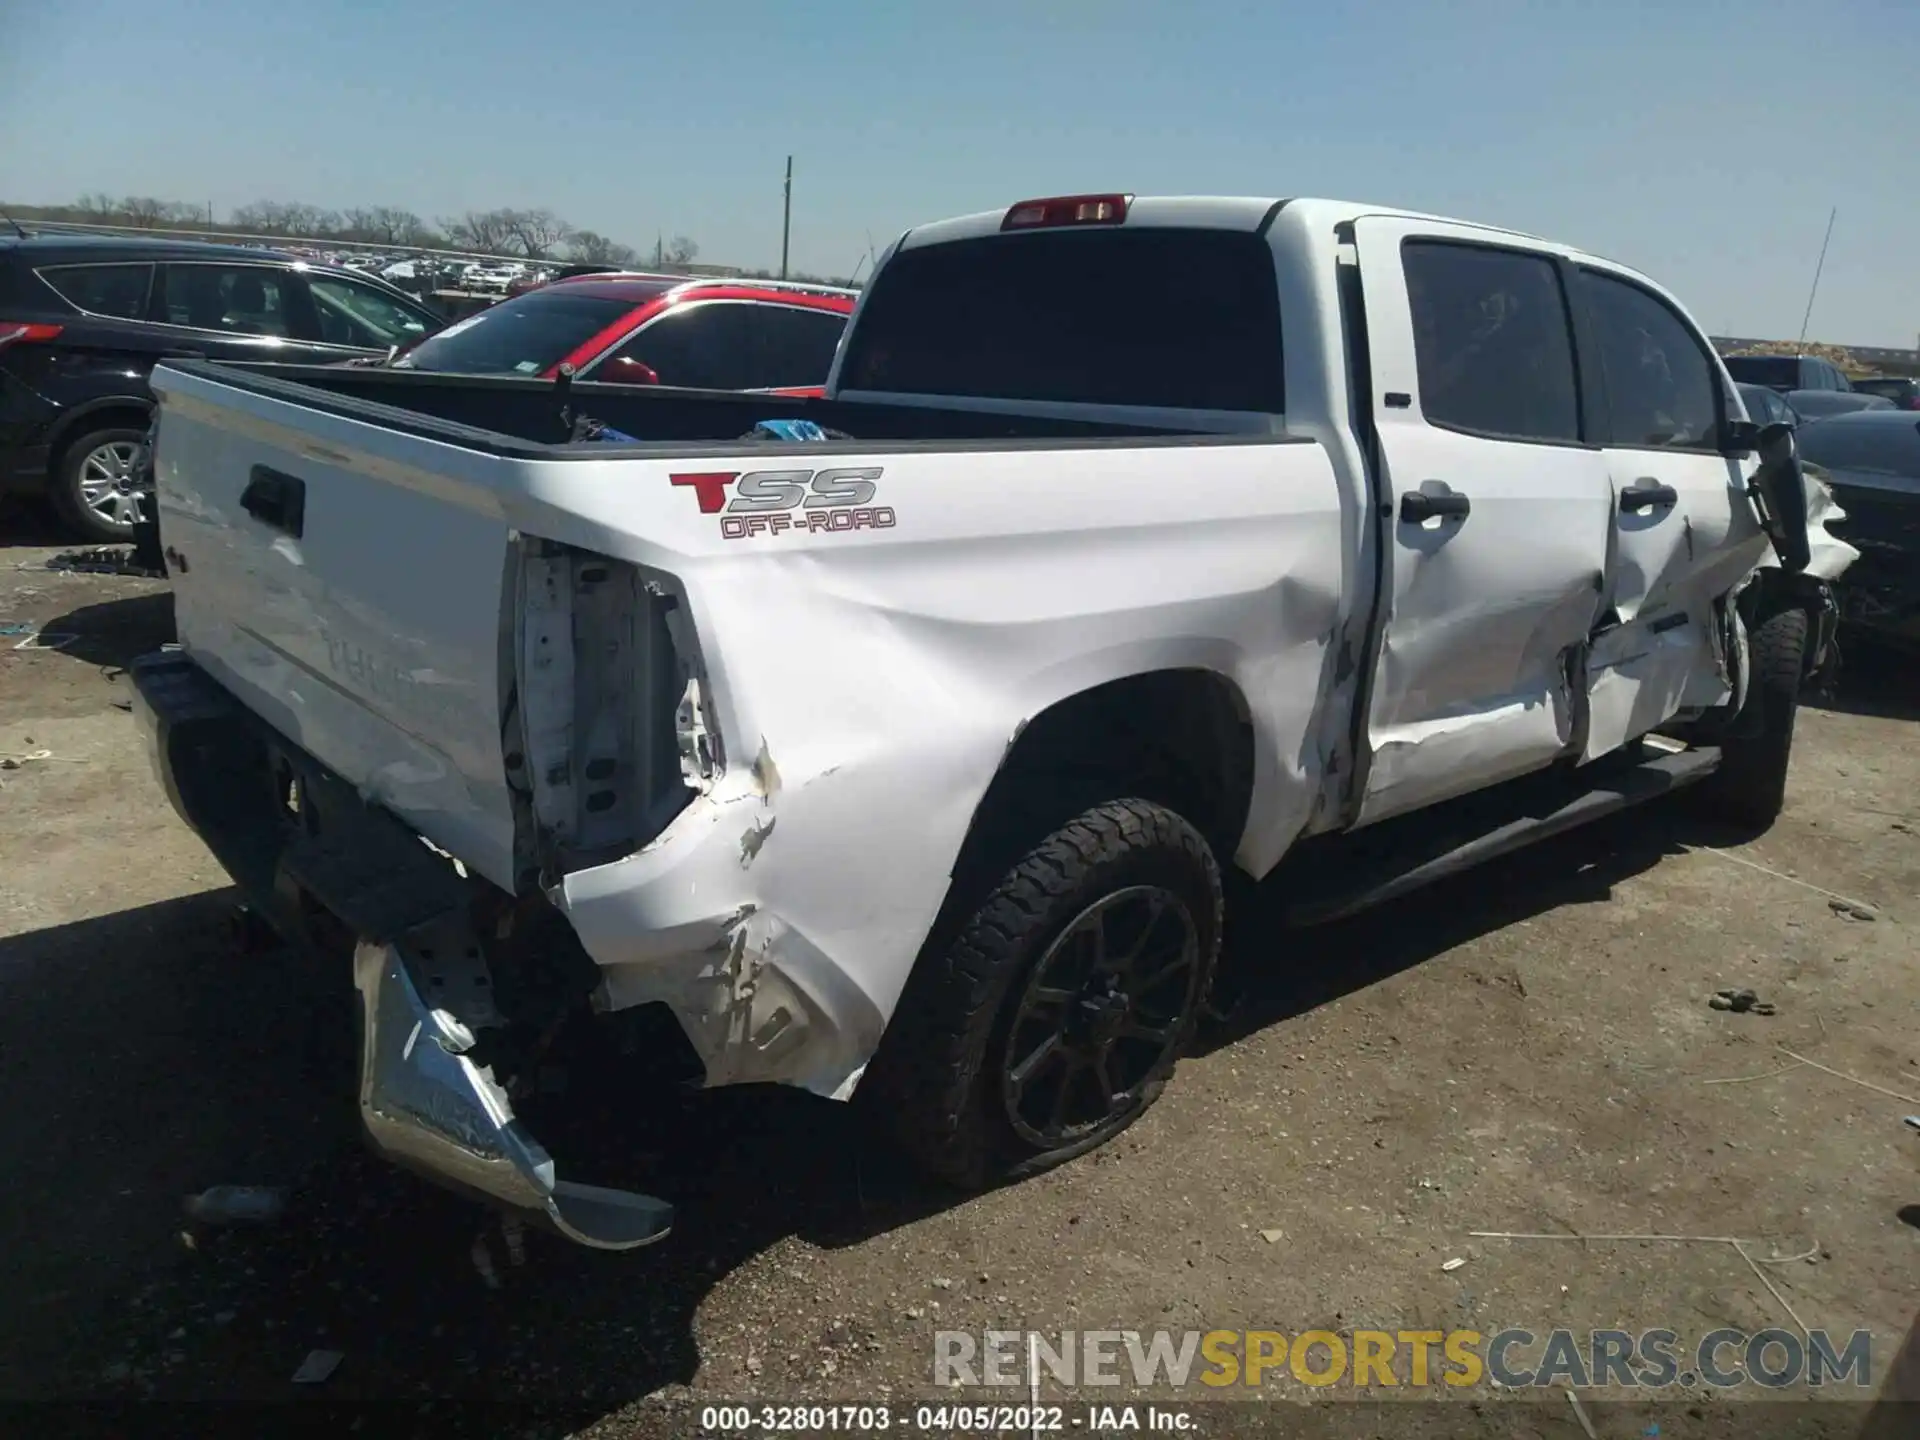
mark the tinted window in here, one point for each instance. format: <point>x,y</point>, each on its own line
<point>1881,446</point>
<point>1187,319</point>
<point>523,336</point>
<point>1661,387</point>
<point>246,299</point>
<point>1780,372</point>
<point>354,314</point>
<point>1491,341</point>
<point>702,347</point>
<point>796,346</point>
<point>116,290</point>
<point>1763,406</point>
<point>1887,387</point>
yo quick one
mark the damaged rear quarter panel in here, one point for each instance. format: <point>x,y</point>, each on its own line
<point>867,686</point>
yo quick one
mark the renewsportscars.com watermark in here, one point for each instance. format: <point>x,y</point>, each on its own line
<point>1383,1359</point>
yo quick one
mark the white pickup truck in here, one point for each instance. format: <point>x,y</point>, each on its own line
<point>1151,543</point>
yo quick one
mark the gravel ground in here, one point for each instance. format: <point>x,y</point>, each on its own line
<point>1528,1049</point>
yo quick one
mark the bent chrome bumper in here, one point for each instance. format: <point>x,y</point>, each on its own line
<point>430,1107</point>
<point>427,1099</point>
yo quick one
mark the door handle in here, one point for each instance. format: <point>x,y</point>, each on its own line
<point>1644,494</point>
<point>277,500</point>
<point>1418,505</point>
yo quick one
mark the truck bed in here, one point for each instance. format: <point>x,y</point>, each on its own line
<point>528,410</point>
<point>398,573</point>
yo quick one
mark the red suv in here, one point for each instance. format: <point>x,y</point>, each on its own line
<point>636,329</point>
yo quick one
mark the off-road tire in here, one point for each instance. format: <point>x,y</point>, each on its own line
<point>935,1085</point>
<point>1750,787</point>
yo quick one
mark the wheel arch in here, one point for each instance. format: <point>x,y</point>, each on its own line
<point>1182,737</point>
<point>94,415</point>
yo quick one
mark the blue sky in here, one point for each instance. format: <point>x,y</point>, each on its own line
<point>1702,142</point>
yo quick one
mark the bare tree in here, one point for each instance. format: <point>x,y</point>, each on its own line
<point>396,226</point>
<point>590,247</point>
<point>680,250</point>
<point>143,211</point>
<point>97,204</point>
<point>311,220</point>
<point>264,217</point>
<point>535,233</point>
<point>481,230</point>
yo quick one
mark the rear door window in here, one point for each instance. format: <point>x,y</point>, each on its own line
<point>1663,392</point>
<point>1492,341</point>
<point>702,347</point>
<point>240,299</point>
<point>118,291</point>
<point>1163,317</point>
<point>795,345</point>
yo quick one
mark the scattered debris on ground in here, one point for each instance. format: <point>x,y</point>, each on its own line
<point>1740,1002</point>
<point>238,1205</point>
<point>45,640</point>
<point>318,1367</point>
<point>105,560</point>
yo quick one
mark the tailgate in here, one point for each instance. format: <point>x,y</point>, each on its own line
<point>345,582</point>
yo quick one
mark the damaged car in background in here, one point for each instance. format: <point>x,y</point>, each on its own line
<point>904,744</point>
<point>1871,459</point>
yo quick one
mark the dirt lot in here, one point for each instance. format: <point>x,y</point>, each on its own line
<point>1528,1050</point>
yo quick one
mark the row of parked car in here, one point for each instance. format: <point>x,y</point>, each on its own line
<point>84,319</point>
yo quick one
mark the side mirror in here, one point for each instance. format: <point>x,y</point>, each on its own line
<point>1743,438</point>
<point>1779,489</point>
<point>622,370</point>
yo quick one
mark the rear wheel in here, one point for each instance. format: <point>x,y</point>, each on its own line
<point>1056,1015</point>
<point>97,490</point>
<point>1750,786</point>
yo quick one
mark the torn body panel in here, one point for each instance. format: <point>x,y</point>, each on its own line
<point>604,752</point>
<point>877,686</point>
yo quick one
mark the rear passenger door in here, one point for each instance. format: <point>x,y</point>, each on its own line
<point>1498,517</point>
<point>794,346</point>
<point>1684,530</point>
<point>698,346</point>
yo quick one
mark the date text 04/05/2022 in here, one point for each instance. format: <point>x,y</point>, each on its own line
<point>942,1419</point>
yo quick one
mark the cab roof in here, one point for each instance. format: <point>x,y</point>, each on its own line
<point>1250,213</point>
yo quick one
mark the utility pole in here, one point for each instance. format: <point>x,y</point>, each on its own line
<point>786,218</point>
<point>1818,266</point>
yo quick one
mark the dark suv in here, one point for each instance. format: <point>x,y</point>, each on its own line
<point>1814,387</point>
<point>83,319</point>
<point>1902,390</point>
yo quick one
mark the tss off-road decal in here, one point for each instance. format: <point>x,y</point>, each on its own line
<point>789,502</point>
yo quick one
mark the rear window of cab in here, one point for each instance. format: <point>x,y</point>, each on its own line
<point>1155,317</point>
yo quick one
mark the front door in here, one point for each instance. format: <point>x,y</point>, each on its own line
<point>1684,529</point>
<point>1501,513</point>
